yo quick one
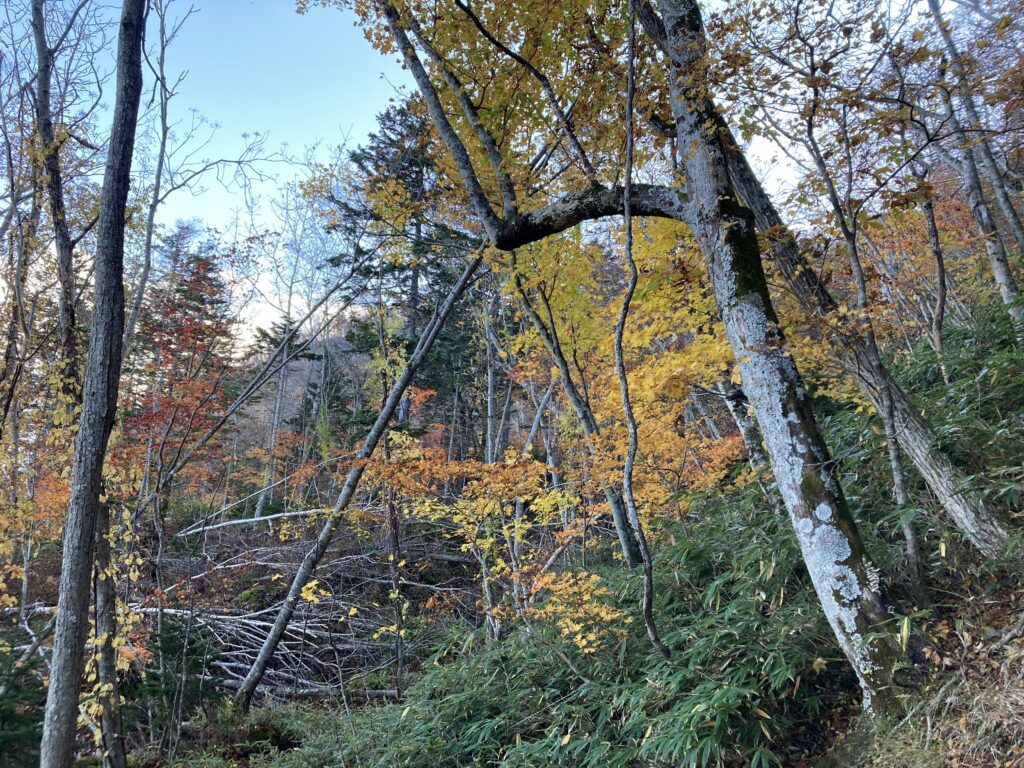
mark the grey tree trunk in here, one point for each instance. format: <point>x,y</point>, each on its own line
<point>939,308</point>
<point>50,149</point>
<point>490,360</point>
<point>18,260</point>
<point>724,230</point>
<point>827,534</point>
<point>267,492</point>
<point>746,424</point>
<point>982,149</point>
<point>846,218</point>
<point>995,249</point>
<point>158,178</point>
<point>623,529</point>
<point>411,317</point>
<point>99,404</point>
<point>965,505</point>
<point>985,529</point>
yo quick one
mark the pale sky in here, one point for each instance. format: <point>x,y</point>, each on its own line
<point>258,66</point>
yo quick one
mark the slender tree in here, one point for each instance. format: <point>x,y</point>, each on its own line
<point>99,403</point>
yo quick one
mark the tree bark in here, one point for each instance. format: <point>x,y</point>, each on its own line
<point>982,150</point>
<point>267,493</point>
<point>846,218</point>
<point>99,403</point>
<point>17,326</point>
<point>50,150</point>
<point>995,249</point>
<point>827,534</point>
<point>746,424</point>
<point>950,484</point>
<point>939,308</point>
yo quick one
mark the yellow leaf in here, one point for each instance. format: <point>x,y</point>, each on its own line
<point>310,592</point>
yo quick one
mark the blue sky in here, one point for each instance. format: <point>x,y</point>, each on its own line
<point>258,66</point>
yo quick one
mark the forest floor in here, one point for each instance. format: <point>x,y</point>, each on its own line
<point>971,713</point>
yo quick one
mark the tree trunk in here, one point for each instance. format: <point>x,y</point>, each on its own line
<point>267,493</point>
<point>623,529</point>
<point>412,311</point>
<point>17,325</point>
<point>394,570</point>
<point>982,150</point>
<point>939,308</point>
<point>826,531</point>
<point>99,404</point>
<point>490,359</point>
<point>949,483</point>
<point>50,150</point>
<point>847,222</point>
<point>995,249</point>
<point>985,529</point>
<point>736,402</point>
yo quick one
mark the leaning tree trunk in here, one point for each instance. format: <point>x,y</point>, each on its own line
<point>826,531</point>
<point>99,403</point>
<point>750,433</point>
<point>982,149</point>
<point>950,484</point>
<point>986,530</point>
<point>348,490</point>
<point>995,249</point>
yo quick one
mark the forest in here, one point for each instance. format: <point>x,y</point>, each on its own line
<point>645,389</point>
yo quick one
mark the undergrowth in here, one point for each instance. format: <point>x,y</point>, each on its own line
<point>755,678</point>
